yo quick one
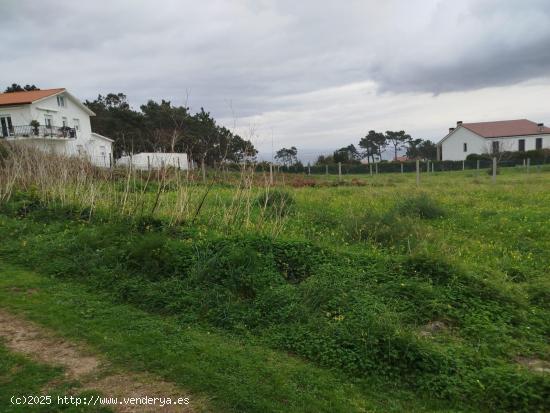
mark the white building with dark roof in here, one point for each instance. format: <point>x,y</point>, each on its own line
<point>492,137</point>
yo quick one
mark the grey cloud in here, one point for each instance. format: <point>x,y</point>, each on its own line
<point>470,46</point>
<point>261,55</point>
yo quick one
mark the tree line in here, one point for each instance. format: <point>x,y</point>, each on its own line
<point>370,147</point>
<point>163,127</point>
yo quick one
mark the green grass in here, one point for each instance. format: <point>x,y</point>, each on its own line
<point>233,374</point>
<point>337,302</point>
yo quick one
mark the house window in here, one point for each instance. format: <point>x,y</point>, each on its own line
<point>102,150</point>
<point>48,121</point>
<point>76,123</point>
<point>61,101</point>
<point>521,145</point>
<point>495,146</point>
<point>465,147</point>
<point>80,149</point>
<point>538,143</point>
<point>6,127</point>
<point>65,123</point>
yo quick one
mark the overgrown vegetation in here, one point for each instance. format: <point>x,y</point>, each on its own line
<point>440,291</point>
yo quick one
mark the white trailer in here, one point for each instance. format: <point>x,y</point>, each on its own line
<point>155,160</point>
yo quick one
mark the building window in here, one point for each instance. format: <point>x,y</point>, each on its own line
<point>80,149</point>
<point>61,101</point>
<point>64,121</point>
<point>6,127</point>
<point>465,147</point>
<point>48,121</point>
<point>521,145</point>
<point>538,143</point>
<point>76,123</point>
<point>102,150</point>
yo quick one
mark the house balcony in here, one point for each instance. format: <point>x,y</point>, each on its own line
<point>38,132</point>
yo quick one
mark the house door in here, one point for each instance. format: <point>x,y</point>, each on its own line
<point>6,126</point>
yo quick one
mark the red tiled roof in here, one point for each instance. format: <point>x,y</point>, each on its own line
<point>21,98</point>
<point>505,128</point>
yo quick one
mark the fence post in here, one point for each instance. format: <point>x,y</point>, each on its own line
<point>308,169</point>
<point>417,172</point>
<point>203,171</point>
<point>376,168</point>
<point>148,163</point>
<point>401,167</point>
<point>339,171</point>
<point>179,165</point>
<point>477,165</point>
<point>370,169</point>
<point>494,169</point>
<point>326,169</point>
<point>433,167</point>
<point>270,174</point>
<point>428,165</point>
<point>110,160</point>
<point>463,166</point>
<point>528,164</point>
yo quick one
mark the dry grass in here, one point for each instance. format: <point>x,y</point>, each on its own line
<point>175,196</point>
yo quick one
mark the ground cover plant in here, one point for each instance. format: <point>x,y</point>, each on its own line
<point>441,289</point>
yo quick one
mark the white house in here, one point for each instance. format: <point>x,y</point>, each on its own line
<point>155,160</point>
<point>55,121</point>
<point>492,137</point>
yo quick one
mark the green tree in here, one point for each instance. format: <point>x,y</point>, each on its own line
<point>324,160</point>
<point>397,140</point>
<point>421,149</point>
<point>412,148</point>
<point>161,126</point>
<point>428,150</point>
<point>114,118</point>
<point>373,144</point>
<point>288,156</point>
<point>347,154</point>
<point>18,88</point>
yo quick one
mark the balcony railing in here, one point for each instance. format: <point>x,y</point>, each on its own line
<point>42,131</point>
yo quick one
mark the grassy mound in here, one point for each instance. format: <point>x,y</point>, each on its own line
<point>364,313</point>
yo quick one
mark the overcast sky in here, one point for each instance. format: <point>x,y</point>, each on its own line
<point>315,74</point>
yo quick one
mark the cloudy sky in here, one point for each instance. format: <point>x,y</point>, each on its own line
<point>316,74</point>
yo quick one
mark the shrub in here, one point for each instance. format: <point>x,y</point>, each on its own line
<point>276,202</point>
<point>431,268</point>
<point>421,206</point>
<point>478,157</point>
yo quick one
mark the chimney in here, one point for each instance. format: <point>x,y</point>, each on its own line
<point>458,123</point>
<point>451,129</point>
<point>540,126</point>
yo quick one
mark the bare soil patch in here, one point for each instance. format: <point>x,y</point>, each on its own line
<point>534,364</point>
<point>90,370</point>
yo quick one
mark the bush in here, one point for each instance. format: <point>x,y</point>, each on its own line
<point>389,229</point>
<point>478,157</point>
<point>276,202</point>
<point>421,206</point>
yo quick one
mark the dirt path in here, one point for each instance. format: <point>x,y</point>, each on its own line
<point>91,371</point>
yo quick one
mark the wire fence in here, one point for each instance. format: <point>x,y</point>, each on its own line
<point>410,166</point>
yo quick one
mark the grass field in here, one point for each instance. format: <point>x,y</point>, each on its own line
<point>369,294</point>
